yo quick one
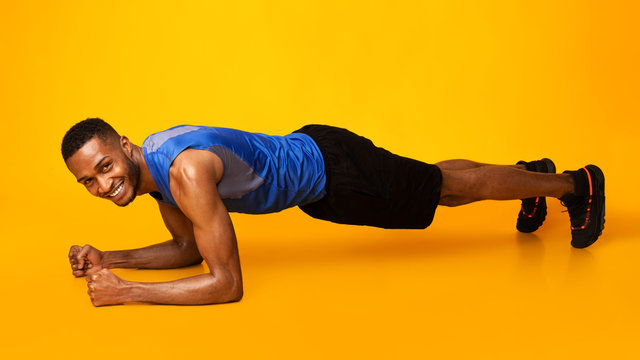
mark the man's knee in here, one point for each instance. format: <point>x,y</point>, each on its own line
<point>452,183</point>
<point>460,187</point>
<point>452,201</point>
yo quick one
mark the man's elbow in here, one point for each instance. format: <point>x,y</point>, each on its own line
<point>196,260</point>
<point>190,250</point>
<point>229,289</point>
<point>235,291</point>
<point>193,259</point>
<point>228,296</point>
<point>237,296</point>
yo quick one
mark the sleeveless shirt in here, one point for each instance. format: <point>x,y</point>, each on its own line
<point>261,173</point>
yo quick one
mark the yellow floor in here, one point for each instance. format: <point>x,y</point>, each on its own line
<point>477,288</point>
<point>431,80</point>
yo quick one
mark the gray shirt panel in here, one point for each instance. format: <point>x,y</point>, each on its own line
<point>238,178</point>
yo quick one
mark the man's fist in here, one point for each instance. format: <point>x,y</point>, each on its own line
<point>105,288</point>
<point>84,258</point>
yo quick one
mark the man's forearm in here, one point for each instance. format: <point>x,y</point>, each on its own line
<point>200,289</point>
<point>166,255</point>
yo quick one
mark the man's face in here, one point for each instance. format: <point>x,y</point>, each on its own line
<point>106,171</point>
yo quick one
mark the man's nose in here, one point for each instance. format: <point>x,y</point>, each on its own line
<point>104,185</point>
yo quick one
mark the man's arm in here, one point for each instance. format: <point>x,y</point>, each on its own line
<point>192,177</point>
<point>179,252</point>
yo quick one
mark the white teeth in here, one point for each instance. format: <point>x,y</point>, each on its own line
<point>117,190</point>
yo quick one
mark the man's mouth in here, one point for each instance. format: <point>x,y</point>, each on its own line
<point>117,190</point>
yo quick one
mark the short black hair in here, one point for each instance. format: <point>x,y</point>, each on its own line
<point>82,132</point>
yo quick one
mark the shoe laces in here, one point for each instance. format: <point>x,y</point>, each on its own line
<point>579,211</point>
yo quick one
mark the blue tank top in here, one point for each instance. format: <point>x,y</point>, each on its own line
<point>261,173</point>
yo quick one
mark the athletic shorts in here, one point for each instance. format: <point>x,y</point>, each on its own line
<point>368,185</point>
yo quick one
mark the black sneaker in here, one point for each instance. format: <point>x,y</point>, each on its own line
<point>534,210</point>
<point>586,206</point>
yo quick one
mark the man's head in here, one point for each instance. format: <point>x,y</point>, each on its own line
<point>102,160</point>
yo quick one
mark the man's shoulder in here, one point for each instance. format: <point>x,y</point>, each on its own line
<point>193,176</point>
<point>155,141</point>
<point>192,164</point>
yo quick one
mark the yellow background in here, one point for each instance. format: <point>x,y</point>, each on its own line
<point>493,81</point>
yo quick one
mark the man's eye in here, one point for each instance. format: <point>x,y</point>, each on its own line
<point>88,181</point>
<point>106,167</point>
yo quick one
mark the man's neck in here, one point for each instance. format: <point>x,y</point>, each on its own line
<point>146,184</point>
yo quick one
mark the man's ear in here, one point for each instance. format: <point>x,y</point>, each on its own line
<point>126,146</point>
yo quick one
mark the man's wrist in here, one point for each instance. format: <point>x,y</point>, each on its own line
<point>112,259</point>
<point>130,291</point>
<point>106,260</point>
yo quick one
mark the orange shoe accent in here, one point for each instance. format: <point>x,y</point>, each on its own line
<point>535,208</point>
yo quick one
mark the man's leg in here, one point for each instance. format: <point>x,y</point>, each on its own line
<point>460,164</point>
<point>581,191</point>
<point>533,211</point>
<point>495,182</point>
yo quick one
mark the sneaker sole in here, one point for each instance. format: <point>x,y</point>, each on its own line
<point>598,179</point>
<point>551,167</point>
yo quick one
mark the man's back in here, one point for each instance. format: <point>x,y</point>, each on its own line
<point>261,173</point>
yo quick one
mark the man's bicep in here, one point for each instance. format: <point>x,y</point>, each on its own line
<point>212,227</point>
<point>193,184</point>
<point>216,238</point>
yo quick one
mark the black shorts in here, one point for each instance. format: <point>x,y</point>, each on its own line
<point>368,185</point>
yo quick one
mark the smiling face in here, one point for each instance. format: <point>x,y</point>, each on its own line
<point>106,169</point>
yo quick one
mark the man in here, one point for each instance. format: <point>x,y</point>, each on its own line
<point>198,174</point>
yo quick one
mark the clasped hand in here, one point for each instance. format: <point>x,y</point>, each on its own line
<point>104,287</point>
<point>83,259</point>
